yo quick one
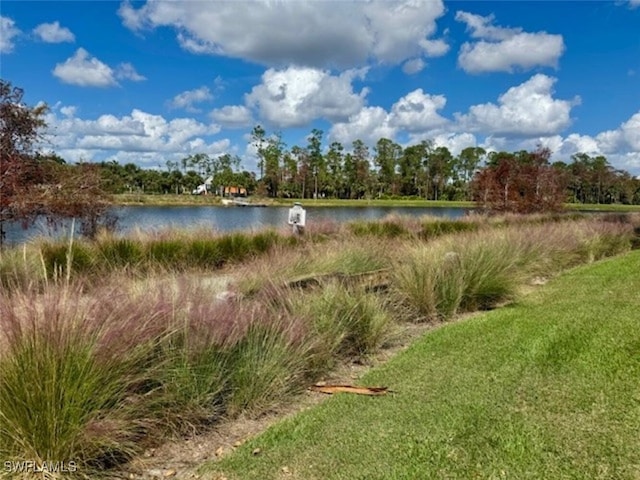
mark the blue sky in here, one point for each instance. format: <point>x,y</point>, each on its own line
<point>152,81</point>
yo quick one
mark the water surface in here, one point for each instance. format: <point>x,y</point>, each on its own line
<point>224,219</point>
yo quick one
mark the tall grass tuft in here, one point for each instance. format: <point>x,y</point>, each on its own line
<point>116,253</point>
<point>389,227</point>
<point>347,322</point>
<point>431,228</point>
<point>481,270</point>
<point>58,400</point>
<point>266,365</point>
<point>21,269</point>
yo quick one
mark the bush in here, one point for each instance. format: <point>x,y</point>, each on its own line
<point>59,399</point>
<point>118,253</point>
<point>265,367</point>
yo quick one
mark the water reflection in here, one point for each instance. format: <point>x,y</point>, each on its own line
<point>227,218</point>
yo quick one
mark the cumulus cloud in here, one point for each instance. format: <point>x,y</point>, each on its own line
<point>126,71</point>
<point>413,66</point>
<point>417,111</point>
<point>316,34</point>
<point>526,110</point>
<point>139,136</point>
<point>8,31</point>
<point>455,142</point>
<point>434,48</point>
<point>500,49</point>
<point>625,138</point>
<point>53,33</point>
<point>297,95</point>
<point>369,125</point>
<point>86,71</point>
<point>189,98</point>
<point>232,116</point>
<point>621,146</point>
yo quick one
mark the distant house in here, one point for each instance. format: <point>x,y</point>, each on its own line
<point>234,192</point>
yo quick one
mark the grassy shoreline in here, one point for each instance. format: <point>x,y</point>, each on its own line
<point>544,389</point>
<point>201,200</point>
<point>145,340</point>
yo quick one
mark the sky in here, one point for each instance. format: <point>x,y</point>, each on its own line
<point>148,82</point>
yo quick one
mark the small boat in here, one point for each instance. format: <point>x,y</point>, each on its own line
<point>238,202</point>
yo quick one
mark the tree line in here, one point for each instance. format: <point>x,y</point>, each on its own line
<point>387,170</point>
<point>33,184</point>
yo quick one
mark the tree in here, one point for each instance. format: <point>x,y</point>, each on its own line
<point>316,160</point>
<point>439,169</point>
<point>467,164</point>
<point>258,140</point>
<point>334,160</point>
<point>32,184</point>
<point>386,159</point>
<point>20,127</point>
<point>522,182</point>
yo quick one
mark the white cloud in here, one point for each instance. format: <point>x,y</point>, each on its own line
<point>232,116</point>
<point>369,125</point>
<point>8,31</point>
<point>187,99</point>
<point>634,3</point>
<point>575,142</point>
<point>434,48</point>
<point>455,142</point>
<point>68,111</point>
<point>417,111</point>
<point>140,137</point>
<point>506,49</point>
<point>527,110</point>
<point>86,71</point>
<point>53,33</point>
<point>413,66</point>
<point>297,95</point>
<point>625,138</point>
<point>342,34</point>
<point>620,146</point>
<point>126,71</point>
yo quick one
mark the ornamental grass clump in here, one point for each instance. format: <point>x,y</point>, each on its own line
<point>61,398</point>
<point>267,364</point>
<point>347,322</point>
<point>338,257</point>
<point>21,269</point>
<point>390,227</point>
<point>432,228</point>
<point>481,270</point>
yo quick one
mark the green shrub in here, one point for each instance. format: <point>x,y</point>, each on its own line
<point>166,253</point>
<point>57,257</point>
<point>234,247</point>
<point>262,242</point>
<point>58,400</point>
<point>204,253</point>
<point>265,366</point>
<point>119,252</point>
<point>192,386</point>
<point>435,228</point>
<point>346,322</point>
<point>384,228</point>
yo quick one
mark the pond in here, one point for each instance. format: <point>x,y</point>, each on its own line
<point>221,218</point>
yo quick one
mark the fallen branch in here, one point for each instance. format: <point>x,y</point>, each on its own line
<point>331,389</point>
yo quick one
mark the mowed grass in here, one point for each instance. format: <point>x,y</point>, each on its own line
<point>545,388</point>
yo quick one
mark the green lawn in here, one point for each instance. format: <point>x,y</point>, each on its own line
<point>545,389</point>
